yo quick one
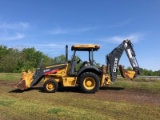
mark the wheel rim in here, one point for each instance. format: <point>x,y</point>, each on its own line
<point>50,87</point>
<point>89,83</point>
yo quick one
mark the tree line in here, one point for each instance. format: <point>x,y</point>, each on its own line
<point>146,72</point>
<point>13,60</point>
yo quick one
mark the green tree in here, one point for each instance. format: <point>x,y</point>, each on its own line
<point>3,53</point>
<point>10,61</point>
<point>59,59</point>
<point>13,60</point>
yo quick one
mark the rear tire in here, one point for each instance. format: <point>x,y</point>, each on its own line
<point>89,82</point>
<point>50,86</point>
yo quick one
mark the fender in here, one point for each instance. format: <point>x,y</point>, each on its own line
<point>90,69</point>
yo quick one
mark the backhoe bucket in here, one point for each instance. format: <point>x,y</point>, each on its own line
<point>25,80</point>
<point>128,74</point>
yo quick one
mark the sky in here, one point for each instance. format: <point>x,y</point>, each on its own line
<point>48,25</point>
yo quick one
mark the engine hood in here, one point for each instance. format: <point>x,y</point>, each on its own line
<point>53,69</point>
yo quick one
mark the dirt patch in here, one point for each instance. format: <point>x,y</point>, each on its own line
<point>129,95</point>
<point>6,83</point>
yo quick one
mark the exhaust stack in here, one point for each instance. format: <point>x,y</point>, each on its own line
<point>66,53</point>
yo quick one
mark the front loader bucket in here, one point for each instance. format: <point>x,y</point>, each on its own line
<point>25,80</point>
<point>128,74</point>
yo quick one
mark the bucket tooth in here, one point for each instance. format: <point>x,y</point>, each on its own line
<point>21,85</point>
<point>128,74</point>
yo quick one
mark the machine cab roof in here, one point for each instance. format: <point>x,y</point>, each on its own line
<point>85,47</point>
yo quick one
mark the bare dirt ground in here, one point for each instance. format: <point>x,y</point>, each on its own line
<point>115,94</point>
<point>130,95</point>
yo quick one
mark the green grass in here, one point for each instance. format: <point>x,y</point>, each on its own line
<point>34,104</point>
<point>10,76</point>
<point>54,110</point>
<point>6,103</point>
<point>149,85</point>
<point>70,106</point>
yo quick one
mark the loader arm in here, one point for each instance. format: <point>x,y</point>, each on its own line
<point>112,60</point>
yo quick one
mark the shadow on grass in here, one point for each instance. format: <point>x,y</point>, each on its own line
<point>21,91</point>
<point>111,88</point>
<point>64,89</point>
<point>16,91</point>
<point>70,89</point>
<point>40,89</point>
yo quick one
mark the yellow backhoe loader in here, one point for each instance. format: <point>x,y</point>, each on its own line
<point>88,77</point>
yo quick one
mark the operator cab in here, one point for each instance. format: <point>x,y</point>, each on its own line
<point>90,48</point>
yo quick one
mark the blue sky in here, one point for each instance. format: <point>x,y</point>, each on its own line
<point>48,25</point>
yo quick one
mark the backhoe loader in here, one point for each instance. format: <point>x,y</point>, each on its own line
<point>88,77</point>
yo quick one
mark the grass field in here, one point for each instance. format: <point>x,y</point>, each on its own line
<point>124,100</point>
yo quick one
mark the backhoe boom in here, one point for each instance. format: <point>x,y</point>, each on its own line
<point>114,56</point>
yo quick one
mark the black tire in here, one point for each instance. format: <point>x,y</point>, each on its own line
<point>89,82</point>
<point>50,86</point>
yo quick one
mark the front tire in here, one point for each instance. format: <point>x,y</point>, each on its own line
<point>50,86</point>
<point>89,82</point>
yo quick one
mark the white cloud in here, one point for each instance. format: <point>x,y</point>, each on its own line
<point>118,39</point>
<point>46,46</point>
<point>85,29</point>
<point>19,26</point>
<point>120,24</point>
<point>11,31</point>
<point>17,36</point>
<point>59,30</point>
<point>50,45</point>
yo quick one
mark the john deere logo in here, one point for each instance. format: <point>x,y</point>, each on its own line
<point>115,64</point>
